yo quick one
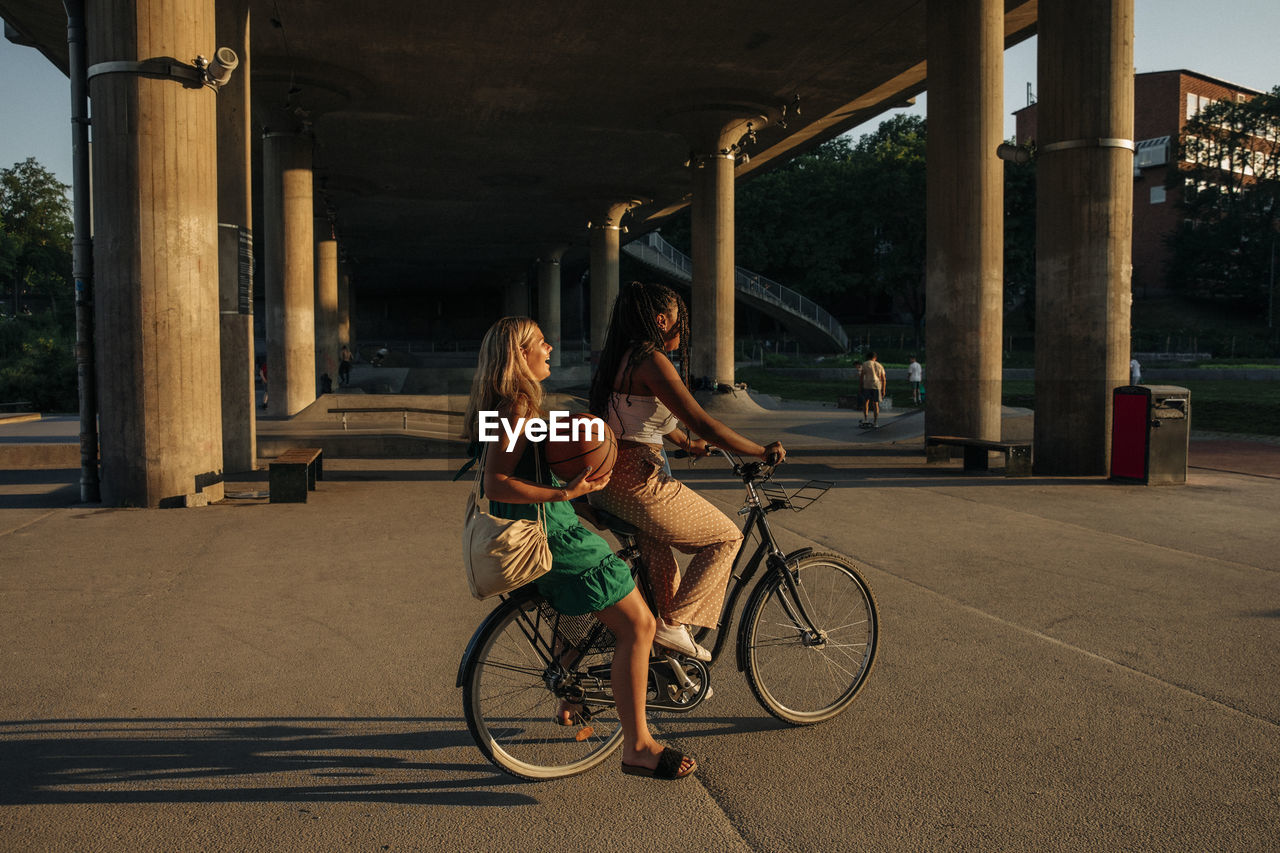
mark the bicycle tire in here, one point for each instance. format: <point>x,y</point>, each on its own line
<point>801,682</point>
<point>509,707</point>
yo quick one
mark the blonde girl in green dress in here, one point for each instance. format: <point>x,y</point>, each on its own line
<point>586,576</point>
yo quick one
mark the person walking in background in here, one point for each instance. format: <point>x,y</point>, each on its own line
<point>873,389</point>
<point>262,377</point>
<point>1135,372</point>
<point>915,375</point>
<point>344,367</point>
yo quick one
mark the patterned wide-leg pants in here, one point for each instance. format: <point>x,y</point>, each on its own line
<point>671,515</point>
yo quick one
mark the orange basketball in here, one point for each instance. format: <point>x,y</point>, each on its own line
<point>589,442</point>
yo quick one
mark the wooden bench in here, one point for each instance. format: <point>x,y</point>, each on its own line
<point>403,410</point>
<point>294,473</point>
<point>1017,454</point>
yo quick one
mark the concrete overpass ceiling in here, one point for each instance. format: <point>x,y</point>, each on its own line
<point>469,137</point>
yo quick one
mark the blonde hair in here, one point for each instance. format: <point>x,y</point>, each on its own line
<point>502,375</point>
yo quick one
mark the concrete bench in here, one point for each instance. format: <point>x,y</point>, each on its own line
<point>294,473</point>
<point>1017,454</point>
<point>403,410</point>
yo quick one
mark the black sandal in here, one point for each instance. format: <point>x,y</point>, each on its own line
<point>668,766</point>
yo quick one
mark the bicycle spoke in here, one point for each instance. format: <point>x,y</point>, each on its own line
<point>512,712</point>
<point>798,676</point>
<point>511,667</point>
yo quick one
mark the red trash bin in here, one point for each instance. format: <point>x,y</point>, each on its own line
<point>1150,426</point>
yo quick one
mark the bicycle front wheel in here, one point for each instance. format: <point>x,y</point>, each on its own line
<point>800,675</point>
<point>510,706</point>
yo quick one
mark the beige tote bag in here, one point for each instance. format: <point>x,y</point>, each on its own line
<point>502,554</point>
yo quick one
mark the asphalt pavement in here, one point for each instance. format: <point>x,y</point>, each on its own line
<point>1066,664</point>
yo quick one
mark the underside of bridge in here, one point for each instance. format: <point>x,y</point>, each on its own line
<point>461,139</point>
<point>427,147</point>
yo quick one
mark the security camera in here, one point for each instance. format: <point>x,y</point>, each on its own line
<point>219,71</point>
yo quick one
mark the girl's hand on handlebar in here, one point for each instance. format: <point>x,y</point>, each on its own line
<point>580,485</point>
<point>697,448</point>
<point>773,453</point>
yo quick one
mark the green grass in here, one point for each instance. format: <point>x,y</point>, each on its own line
<point>1230,365</point>
<point>793,389</point>
<point>1218,405</point>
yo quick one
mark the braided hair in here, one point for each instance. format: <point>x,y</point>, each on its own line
<point>633,325</point>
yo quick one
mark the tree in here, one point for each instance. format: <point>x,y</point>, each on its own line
<point>1020,237</point>
<point>1228,186</point>
<point>891,176</point>
<point>793,223</point>
<point>845,223</point>
<point>36,352</point>
<point>35,236</point>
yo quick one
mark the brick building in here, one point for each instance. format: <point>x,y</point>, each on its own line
<point>1163,102</point>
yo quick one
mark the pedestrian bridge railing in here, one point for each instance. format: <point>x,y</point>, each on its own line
<point>802,316</point>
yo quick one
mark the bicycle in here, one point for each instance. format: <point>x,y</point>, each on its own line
<point>806,642</point>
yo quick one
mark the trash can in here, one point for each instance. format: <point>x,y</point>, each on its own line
<point>1150,428</point>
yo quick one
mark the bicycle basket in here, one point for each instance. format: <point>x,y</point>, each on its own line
<point>797,500</point>
<point>577,630</point>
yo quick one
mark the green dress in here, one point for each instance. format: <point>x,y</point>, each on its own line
<point>586,576</point>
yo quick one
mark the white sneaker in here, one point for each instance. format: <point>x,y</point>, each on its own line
<point>679,640</point>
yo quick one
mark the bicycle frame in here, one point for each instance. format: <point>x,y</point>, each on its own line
<point>776,561</point>
<point>767,551</point>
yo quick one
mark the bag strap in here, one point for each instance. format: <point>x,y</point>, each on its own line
<point>477,485</point>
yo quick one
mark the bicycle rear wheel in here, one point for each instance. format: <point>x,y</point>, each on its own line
<point>800,676</point>
<point>509,701</point>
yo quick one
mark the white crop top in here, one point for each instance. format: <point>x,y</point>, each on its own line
<point>644,420</point>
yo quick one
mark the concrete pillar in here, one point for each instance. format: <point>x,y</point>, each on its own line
<point>328,344</point>
<point>1084,214</point>
<point>717,134</point>
<point>606,254</point>
<point>344,306</point>
<point>351,308</point>
<point>964,216</point>
<point>156,257</point>
<point>549,300</point>
<point>288,267</point>
<point>235,245</point>
<point>711,312</point>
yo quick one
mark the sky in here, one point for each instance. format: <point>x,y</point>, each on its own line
<point>1234,41</point>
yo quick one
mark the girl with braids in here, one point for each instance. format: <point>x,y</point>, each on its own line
<point>638,391</point>
<point>585,576</point>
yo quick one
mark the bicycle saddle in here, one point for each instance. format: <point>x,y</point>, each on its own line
<point>615,524</point>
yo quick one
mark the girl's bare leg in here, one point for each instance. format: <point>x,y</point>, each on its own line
<point>632,625</point>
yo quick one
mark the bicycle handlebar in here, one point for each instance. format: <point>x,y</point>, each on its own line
<point>748,471</point>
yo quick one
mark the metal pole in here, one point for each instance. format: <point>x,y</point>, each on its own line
<point>82,253</point>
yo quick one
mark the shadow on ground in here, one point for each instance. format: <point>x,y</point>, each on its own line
<point>40,488</point>
<point>242,760</point>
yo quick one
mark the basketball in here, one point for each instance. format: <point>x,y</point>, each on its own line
<point>590,442</point>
